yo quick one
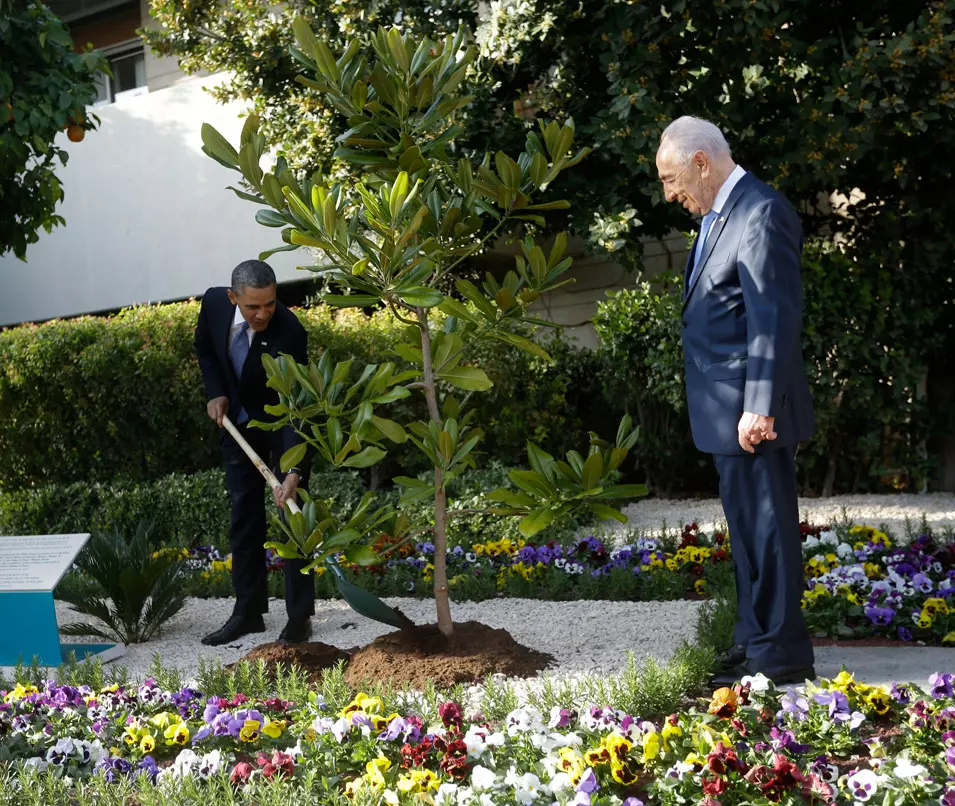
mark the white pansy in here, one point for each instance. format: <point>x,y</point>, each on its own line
<point>757,682</point>
<point>483,778</point>
<point>904,768</point>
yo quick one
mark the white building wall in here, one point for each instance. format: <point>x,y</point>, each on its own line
<point>147,214</point>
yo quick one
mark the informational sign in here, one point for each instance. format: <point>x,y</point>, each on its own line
<point>37,562</point>
<point>30,568</point>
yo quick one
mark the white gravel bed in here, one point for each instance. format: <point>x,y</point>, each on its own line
<point>650,514</point>
<point>583,636</point>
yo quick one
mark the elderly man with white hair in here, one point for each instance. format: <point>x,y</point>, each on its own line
<point>746,386</point>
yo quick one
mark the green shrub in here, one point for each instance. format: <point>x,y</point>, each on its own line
<point>642,365</point>
<point>141,589</point>
<point>120,399</point>
<point>186,509</point>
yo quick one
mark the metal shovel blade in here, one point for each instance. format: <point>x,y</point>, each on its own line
<point>365,602</point>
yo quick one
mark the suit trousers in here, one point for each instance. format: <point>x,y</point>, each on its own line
<point>759,497</point>
<point>247,534</point>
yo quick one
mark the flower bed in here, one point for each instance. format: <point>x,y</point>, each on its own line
<point>838,742</point>
<point>861,583</point>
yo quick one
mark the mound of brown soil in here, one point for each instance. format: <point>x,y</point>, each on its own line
<point>312,658</point>
<point>416,656</point>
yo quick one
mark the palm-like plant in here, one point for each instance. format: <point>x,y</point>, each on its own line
<point>142,589</point>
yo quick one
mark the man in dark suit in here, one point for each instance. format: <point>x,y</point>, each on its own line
<point>746,385</point>
<point>236,327</point>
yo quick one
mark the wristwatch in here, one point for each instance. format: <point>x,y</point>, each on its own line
<point>294,470</point>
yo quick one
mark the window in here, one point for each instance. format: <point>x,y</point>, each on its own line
<point>127,62</point>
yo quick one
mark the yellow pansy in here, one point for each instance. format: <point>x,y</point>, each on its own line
<point>375,770</point>
<point>668,732</point>
<point>132,733</point>
<point>418,780</point>
<point>249,732</point>
<point>878,699</point>
<point>177,734</point>
<point>672,565</point>
<point>148,743</point>
<point>925,621</point>
<point>651,746</point>
<point>165,718</point>
<point>935,606</point>
<point>19,692</point>
<point>274,729</point>
<point>363,703</point>
<point>949,638</point>
<point>572,763</point>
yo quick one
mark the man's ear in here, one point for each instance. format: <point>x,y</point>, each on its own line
<point>232,297</point>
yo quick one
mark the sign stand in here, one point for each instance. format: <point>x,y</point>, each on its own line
<point>30,568</point>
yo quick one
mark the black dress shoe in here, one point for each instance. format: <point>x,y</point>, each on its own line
<point>733,656</point>
<point>296,631</point>
<point>237,626</point>
<point>783,676</point>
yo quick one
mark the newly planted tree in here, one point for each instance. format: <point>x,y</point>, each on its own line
<point>397,237</point>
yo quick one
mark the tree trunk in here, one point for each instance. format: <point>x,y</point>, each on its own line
<point>441,600</point>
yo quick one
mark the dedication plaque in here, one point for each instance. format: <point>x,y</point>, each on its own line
<point>36,562</point>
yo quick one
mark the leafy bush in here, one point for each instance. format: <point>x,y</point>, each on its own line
<point>142,590</point>
<point>185,509</point>
<point>120,399</point>
<point>643,373</point>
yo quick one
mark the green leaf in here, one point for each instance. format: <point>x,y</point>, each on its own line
<point>361,555</point>
<point>217,146</point>
<point>390,429</point>
<point>293,456</point>
<point>270,218</point>
<point>525,344</point>
<point>531,524</point>
<point>592,471</point>
<point>471,379</point>
<point>366,457</point>
<point>603,511</point>
<point>421,297</point>
<point>351,300</point>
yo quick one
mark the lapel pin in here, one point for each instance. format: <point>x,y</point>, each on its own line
<point>722,218</point>
<point>264,343</point>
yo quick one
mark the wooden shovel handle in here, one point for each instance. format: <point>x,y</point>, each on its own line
<point>263,468</point>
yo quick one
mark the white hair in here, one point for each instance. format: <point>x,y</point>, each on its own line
<point>687,135</point>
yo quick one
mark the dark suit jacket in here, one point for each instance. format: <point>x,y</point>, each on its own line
<point>284,334</point>
<point>742,323</point>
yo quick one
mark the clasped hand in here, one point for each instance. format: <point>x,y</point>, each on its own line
<point>753,429</point>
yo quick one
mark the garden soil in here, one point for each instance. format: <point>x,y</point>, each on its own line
<point>418,656</point>
<point>313,658</point>
<point>412,657</point>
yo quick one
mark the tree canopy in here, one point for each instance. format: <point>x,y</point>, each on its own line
<point>44,89</point>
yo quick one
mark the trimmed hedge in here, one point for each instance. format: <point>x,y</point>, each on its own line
<point>99,399</point>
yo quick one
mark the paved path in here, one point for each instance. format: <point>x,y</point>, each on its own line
<point>885,665</point>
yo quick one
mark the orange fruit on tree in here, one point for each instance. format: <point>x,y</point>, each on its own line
<point>75,133</point>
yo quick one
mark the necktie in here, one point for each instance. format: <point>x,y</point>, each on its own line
<point>240,351</point>
<point>705,225</point>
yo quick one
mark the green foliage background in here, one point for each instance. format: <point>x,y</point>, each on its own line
<point>44,86</point>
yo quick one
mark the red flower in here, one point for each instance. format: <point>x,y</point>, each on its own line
<point>280,764</point>
<point>238,700</point>
<point>723,759</point>
<point>241,773</point>
<point>715,786</point>
<point>740,726</point>
<point>454,762</point>
<point>451,715</point>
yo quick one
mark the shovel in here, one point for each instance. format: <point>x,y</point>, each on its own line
<point>360,600</point>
